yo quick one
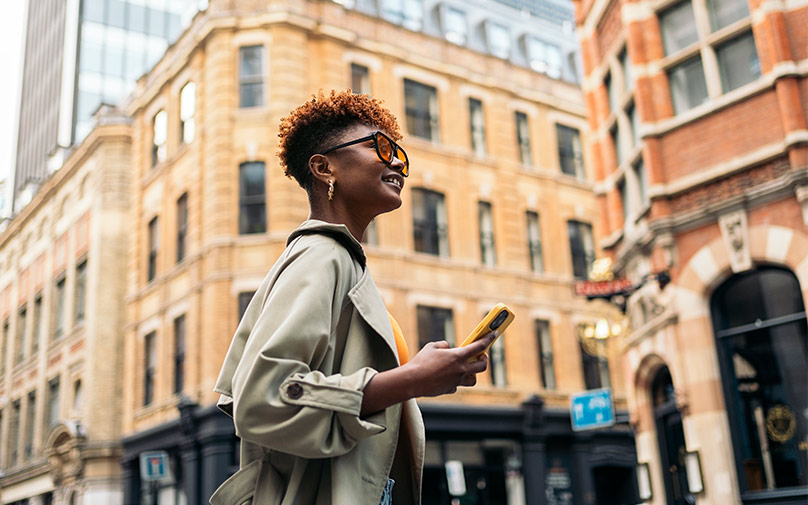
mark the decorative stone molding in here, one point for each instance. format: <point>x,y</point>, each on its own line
<point>735,231</point>
<point>802,198</point>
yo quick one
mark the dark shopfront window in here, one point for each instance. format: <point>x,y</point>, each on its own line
<point>761,333</point>
<point>491,471</point>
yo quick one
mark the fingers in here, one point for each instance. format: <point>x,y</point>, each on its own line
<point>480,344</point>
<point>441,344</point>
<point>468,380</point>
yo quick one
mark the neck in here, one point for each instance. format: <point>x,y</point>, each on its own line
<point>335,214</point>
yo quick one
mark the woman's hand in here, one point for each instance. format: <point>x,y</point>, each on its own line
<point>436,370</point>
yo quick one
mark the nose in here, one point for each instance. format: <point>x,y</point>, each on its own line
<point>399,165</point>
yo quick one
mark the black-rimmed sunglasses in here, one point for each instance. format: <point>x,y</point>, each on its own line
<point>386,150</point>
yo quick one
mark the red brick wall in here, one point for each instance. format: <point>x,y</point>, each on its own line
<point>728,187</point>
<point>797,32</point>
<point>728,133</point>
<point>609,27</point>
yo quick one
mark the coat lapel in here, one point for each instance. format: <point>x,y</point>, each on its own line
<point>366,298</point>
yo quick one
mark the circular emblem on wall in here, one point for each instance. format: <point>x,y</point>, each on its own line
<point>781,423</point>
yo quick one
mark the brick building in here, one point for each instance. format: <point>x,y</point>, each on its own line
<point>62,262</point>
<point>697,111</point>
<point>499,207</point>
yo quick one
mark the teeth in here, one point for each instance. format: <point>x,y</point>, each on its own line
<point>392,180</point>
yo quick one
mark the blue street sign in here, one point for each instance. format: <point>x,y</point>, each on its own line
<point>154,466</point>
<point>591,409</point>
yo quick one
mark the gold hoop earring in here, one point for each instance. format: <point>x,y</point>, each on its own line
<point>330,189</point>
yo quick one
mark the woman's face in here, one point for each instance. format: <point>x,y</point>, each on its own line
<point>363,183</point>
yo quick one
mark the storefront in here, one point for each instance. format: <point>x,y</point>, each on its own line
<point>514,456</point>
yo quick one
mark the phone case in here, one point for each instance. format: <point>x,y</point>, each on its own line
<point>497,318</point>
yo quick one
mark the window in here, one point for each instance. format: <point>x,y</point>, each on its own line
<point>187,112</point>
<point>624,198</point>
<point>625,67</point>
<point>421,104</point>
<point>634,123</point>
<point>611,92</point>
<point>78,396</point>
<point>360,79</point>
<point>22,317</point>
<point>81,291</point>
<point>434,324</point>
<point>13,455</point>
<point>725,12</point>
<point>30,416</point>
<point>496,364</point>
<point>53,405</point>
<point>488,254</point>
<point>430,231</point>
<point>619,149</point>
<point>761,332</point>
<point>523,139</point>
<point>455,27</point>
<point>408,13</point>
<point>182,225</point>
<point>688,87</point>
<point>570,152</point>
<point>37,324</point>
<point>159,135</point>
<point>642,181</point>
<point>678,26</point>
<point>499,40</point>
<point>724,61</point>
<point>594,363</point>
<point>252,216</point>
<point>243,301</point>
<point>251,76</point>
<point>534,242</point>
<point>59,307</point>
<point>582,248</point>
<point>149,366</point>
<point>545,354</point>
<point>543,57</point>
<point>737,61</point>
<point>477,125</point>
<point>154,247</point>
<point>179,353</point>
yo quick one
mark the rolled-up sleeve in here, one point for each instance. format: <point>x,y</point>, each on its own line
<point>280,399</point>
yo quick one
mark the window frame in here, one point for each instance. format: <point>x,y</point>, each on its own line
<point>523,140</point>
<point>546,358</point>
<point>80,291</point>
<point>485,219</point>
<point>572,154</point>
<point>182,226</point>
<point>245,80</point>
<point>422,118</point>
<point>159,137</point>
<point>187,118</point>
<point>179,353</point>
<point>477,127</point>
<point>534,243</point>
<point>149,366</point>
<point>360,77</point>
<point>587,239</point>
<point>153,235</point>
<point>245,202</point>
<point>428,315</point>
<point>427,228</point>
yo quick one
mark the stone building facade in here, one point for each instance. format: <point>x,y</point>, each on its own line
<point>700,149</point>
<point>61,348</point>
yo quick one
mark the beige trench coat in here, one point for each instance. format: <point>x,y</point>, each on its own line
<point>312,337</point>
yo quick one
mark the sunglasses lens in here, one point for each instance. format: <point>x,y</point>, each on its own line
<point>400,154</point>
<point>385,148</point>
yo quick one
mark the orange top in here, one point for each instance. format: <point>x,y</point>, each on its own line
<point>401,344</point>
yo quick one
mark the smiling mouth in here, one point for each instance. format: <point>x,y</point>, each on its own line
<point>393,180</point>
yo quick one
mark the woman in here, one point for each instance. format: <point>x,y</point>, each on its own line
<point>316,379</point>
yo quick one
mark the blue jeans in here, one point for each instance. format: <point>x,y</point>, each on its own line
<point>387,495</point>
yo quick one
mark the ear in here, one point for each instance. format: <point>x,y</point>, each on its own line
<point>320,168</point>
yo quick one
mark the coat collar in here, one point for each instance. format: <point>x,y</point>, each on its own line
<point>338,232</point>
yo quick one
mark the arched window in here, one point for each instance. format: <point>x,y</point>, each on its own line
<point>762,341</point>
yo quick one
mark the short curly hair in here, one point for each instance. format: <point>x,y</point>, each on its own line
<point>317,125</point>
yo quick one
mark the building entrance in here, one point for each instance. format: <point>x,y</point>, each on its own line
<point>671,437</point>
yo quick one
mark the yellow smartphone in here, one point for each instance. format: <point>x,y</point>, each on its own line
<point>497,318</point>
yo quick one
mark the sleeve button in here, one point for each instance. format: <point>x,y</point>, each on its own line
<point>295,391</point>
